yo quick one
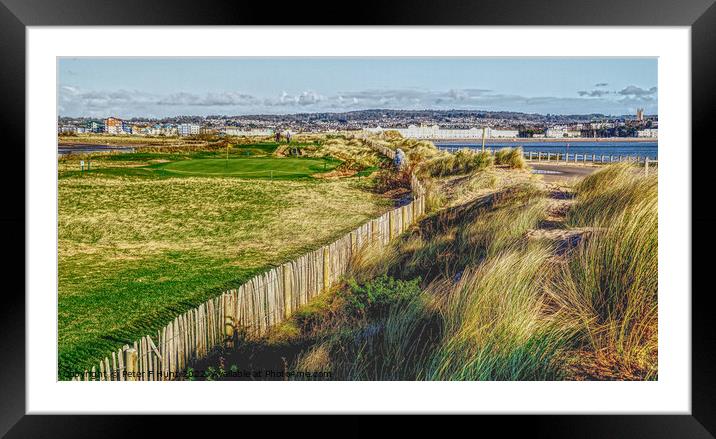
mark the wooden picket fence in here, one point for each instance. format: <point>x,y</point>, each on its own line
<point>262,302</point>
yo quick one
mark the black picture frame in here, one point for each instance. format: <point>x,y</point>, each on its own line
<point>700,15</point>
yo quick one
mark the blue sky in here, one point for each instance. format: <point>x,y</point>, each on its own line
<point>158,87</point>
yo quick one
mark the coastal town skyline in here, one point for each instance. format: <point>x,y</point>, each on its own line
<point>155,88</point>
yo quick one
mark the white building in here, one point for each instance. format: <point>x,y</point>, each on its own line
<point>158,130</point>
<point>433,132</point>
<point>559,132</point>
<point>189,129</point>
<point>237,131</point>
<point>555,132</point>
<point>67,129</point>
<point>504,134</point>
<point>648,132</point>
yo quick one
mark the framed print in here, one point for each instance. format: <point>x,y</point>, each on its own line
<point>466,214</point>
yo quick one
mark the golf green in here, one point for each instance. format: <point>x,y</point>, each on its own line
<point>252,167</point>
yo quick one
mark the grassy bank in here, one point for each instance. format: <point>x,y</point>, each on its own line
<point>139,243</point>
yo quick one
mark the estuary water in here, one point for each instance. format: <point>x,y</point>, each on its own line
<point>615,148</point>
<point>87,148</point>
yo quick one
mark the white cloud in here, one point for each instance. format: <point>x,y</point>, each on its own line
<point>75,101</point>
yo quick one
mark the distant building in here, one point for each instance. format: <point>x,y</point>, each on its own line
<point>238,131</point>
<point>639,114</point>
<point>95,127</point>
<point>161,130</point>
<point>601,125</point>
<point>649,132</point>
<point>555,132</point>
<point>560,132</point>
<point>435,132</point>
<point>503,134</point>
<point>112,125</point>
<point>188,129</point>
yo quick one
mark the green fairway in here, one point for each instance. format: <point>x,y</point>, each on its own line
<point>147,235</point>
<point>282,168</point>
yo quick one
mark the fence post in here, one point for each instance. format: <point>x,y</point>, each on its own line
<point>390,225</point>
<point>403,216</point>
<point>326,268</point>
<point>287,290</point>
<point>646,166</point>
<point>131,364</point>
<point>229,320</point>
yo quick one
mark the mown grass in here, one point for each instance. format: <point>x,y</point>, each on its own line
<point>137,246</point>
<point>274,168</point>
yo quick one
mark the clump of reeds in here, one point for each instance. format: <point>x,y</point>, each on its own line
<point>464,161</point>
<point>511,158</point>
<point>494,325</point>
<point>610,284</point>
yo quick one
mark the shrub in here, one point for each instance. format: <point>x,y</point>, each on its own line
<point>379,293</point>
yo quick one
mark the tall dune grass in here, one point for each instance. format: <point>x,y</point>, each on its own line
<point>497,306</point>
<point>610,285</point>
<point>494,324</point>
<point>467,235</point>
<point>511,158</point>
<point>464,161</point>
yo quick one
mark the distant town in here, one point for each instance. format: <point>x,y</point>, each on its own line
<point>424,124</point>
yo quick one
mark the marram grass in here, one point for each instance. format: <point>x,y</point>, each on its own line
<point>495,306</point>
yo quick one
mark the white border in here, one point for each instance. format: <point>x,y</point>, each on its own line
<point>670,394</point>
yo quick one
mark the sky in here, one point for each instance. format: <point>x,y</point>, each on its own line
<point>162,87</point>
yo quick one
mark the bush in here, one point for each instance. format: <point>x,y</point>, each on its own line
<point>379,293</point>
<point>388,179</point>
